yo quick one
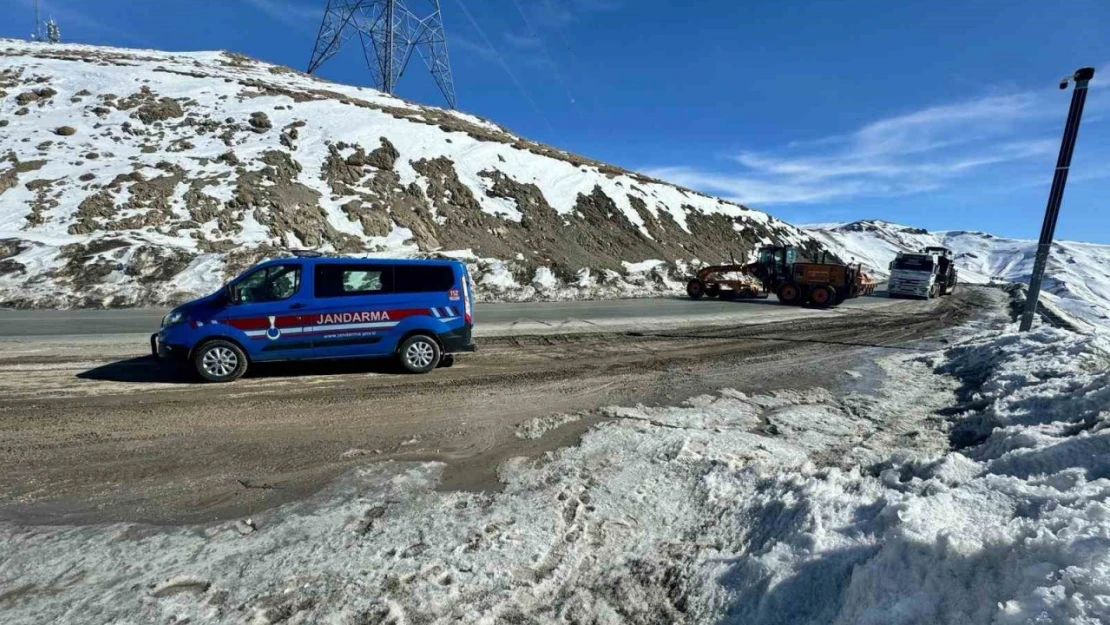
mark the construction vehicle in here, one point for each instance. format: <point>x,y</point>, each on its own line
<point>926,274</point>
<point>777,270</point>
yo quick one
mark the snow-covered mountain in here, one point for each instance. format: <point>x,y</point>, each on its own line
<point>1077,276</point>
<point>132,177</point>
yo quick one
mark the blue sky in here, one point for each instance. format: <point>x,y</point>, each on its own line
<point>943,114</point>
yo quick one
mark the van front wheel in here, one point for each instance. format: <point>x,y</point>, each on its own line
<point>220,361</point>
<point>419,354</point>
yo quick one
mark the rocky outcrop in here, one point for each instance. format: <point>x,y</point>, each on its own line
<point>286,206</point>
<point>160,110</point>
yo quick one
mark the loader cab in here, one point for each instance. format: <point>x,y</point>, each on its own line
<point>778,255</point>
<point>774,264</point>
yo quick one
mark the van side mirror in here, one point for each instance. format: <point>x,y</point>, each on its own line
<point>231,294</point>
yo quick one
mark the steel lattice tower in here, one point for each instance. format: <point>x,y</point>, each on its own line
<point>389,30</point>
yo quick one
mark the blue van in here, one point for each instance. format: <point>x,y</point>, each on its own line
<point>311,306</point>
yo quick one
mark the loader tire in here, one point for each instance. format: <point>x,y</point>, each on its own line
<point>790,294</point>
<point>695,289</point>
<point>712,290</point>
<point>822,296</point>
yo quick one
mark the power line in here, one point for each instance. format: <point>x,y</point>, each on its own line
<point>543,49</point>
<point>504,65</point>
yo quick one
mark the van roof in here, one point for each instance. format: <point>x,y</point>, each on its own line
<point>358,261</point>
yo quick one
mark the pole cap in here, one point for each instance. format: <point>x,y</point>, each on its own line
<point>1084,73</point>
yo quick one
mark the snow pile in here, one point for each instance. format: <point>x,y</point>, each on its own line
<point>516,281</point>
<point>145,177</point>
<point>1014,528</point>
<point>1077,277</point>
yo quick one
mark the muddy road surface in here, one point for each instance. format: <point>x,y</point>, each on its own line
<point>92,430</point>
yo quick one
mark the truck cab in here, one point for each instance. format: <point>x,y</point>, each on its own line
<point>914,275</point>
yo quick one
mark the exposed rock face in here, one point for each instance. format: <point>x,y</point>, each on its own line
<point>383,157</point>
<point>162,109</point>
<point>8,178</point>
<point>286,206</point>
<point>35,95</point>
<point>8,249</point>
<point>260,122</point>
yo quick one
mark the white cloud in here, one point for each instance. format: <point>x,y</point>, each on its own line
<point>291,13</point>
<point>916,152</point>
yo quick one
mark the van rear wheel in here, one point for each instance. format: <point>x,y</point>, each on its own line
<point>419,353</point>
<point>219,361</point>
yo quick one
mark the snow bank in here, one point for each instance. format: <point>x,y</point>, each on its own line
<point>513,281</point>
<point>1015,528</point>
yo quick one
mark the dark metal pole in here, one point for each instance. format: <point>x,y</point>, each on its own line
<point>1056,195</point>
<point>389,34</point>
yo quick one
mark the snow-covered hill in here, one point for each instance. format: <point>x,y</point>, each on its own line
<point>1077,277</point>
<point>142,177</point>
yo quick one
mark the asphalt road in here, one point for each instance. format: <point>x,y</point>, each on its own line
<point>92,430</point>
<point>38,323</point>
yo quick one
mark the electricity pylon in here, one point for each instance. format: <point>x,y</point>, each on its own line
<point>389,31</point>
<point>38,34</point>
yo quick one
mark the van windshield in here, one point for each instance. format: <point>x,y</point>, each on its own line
<point>269,284</point>
<point>914,263</point>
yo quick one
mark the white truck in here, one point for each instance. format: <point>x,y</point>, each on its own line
<point>926,274</point>
<point>916,275</point>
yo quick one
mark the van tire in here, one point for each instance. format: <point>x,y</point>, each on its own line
<point>419,353</point>
<point>219,361</point>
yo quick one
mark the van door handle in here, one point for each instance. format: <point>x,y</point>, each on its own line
<point>296,305</point>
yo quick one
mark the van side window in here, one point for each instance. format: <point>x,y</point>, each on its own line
<point>423,278</point>
<point>270,284</point>
<point>352,280</point>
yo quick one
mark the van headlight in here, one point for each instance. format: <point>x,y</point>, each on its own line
<point>175,317</point>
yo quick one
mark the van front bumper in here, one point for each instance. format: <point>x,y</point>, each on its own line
<point>165,351</point>
<point>457,341</point>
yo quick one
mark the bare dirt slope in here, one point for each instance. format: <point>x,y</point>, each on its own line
<point>87,438</point>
